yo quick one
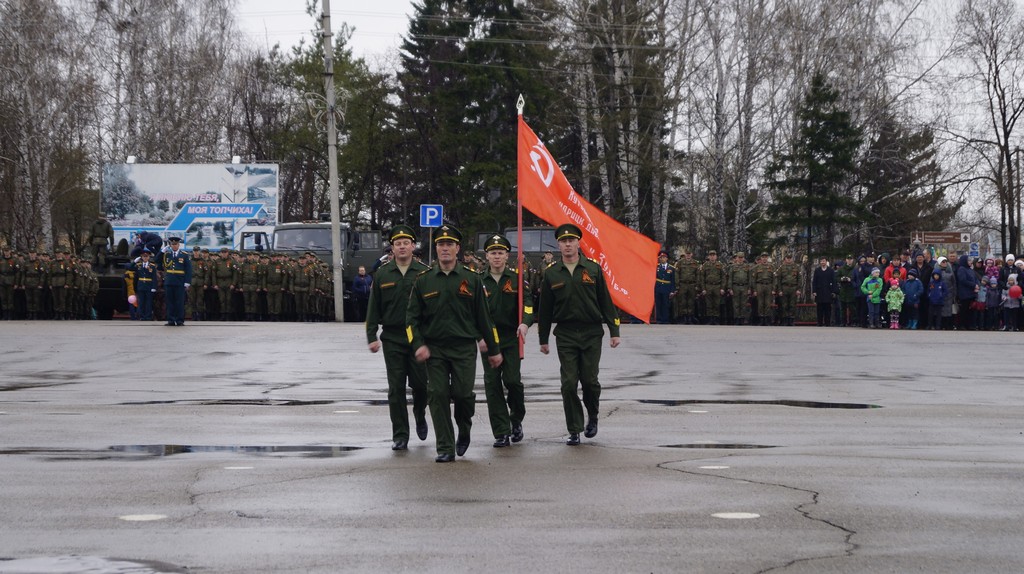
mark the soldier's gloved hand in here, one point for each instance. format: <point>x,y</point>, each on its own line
<point>187,285</point>
<point>137,260</point>
<point>152,290</point>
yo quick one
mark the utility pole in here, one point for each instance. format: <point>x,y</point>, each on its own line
<point>337,262</point>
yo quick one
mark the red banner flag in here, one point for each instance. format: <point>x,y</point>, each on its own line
<point>628,258</point>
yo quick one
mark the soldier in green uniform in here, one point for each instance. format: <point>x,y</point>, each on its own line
<point>223,278</point>
<point>447,315</point>
<point>712,286</point>
<point>574,294</point>
<point>302,284</point>
<point>501,285</point>
<point>250,282</point>
<point>278,281</point>
<point>387,308</point>
<point>764,285</point>
<point>32,281</point>
<point>687,275</point>
<point>787,284</point>
<point>91,287</point>
<point>62,279</point>
<point>741,276</point>
<point>101,239</point>
<point>9,268</point>
<point>195,302</point>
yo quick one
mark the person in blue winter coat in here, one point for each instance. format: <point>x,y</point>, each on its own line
<point>936,296</point>
<point>913,290</point>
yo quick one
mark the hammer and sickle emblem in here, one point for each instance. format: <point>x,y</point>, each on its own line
<point>536,154</point>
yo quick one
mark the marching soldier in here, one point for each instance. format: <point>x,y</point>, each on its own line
<point>712,286</point>
<point>387,308</point>
<point>447,316</point>
<point>787,284</point>
<point>687,278</point>
<point>501,286</point>
<point>575,295</point>
<point>740,276</point>
<point>764,285</point>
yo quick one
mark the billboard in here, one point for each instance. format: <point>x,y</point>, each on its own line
<point>207,205</point>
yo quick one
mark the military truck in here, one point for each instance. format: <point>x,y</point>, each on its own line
<point>537,241</point>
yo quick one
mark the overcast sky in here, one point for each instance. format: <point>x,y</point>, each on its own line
<point>379,24</point>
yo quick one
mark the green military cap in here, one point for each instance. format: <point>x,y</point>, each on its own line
<point>712,252</point>
<point>497,241</point>
<point>196,248</point>
<point>403,232</point>
<point>740,254</point>
<point>763,254</point>
<point>568,230</point>
<point>448,233</point>
<point>788,255</point>
<point>224,250</point>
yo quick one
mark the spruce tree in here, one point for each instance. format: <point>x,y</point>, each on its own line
<point>810,183</point>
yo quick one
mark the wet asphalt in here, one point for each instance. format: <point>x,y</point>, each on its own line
<point>239,447</point>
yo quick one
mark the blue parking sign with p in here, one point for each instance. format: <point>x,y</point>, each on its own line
<point>431,215</point>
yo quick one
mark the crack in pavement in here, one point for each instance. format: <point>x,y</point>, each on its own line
<point>804,509</point>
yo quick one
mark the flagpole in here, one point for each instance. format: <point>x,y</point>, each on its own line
<point>520,104</point>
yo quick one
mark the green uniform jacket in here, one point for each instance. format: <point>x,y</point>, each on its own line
<point>580,297</point>
<point>503,304</point>
<point>712,276</point>
<point>389,301</point>
<point>787,277</point>
<point>450,308</point>
<point>687,271</point>
<point>739,276</point>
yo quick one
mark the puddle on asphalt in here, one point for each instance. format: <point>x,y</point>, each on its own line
<point>140,451</point>
<point>26,386</point>
<point>784,403</point>
<point>92,564</point>
<point>236,402</point>
<point>719,445</point>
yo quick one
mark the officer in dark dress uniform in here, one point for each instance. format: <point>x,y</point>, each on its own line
<point>501,285</point>
<point>176,266</point>
<point>664,289</point>
<point>574,294</point>
<point>145,284</point>
<point>387,307</point>
<point>447,316</point>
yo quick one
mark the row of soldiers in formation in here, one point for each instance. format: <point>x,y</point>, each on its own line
<point>44,286</point>
<point>690,289</point>
<point>255,286</point>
